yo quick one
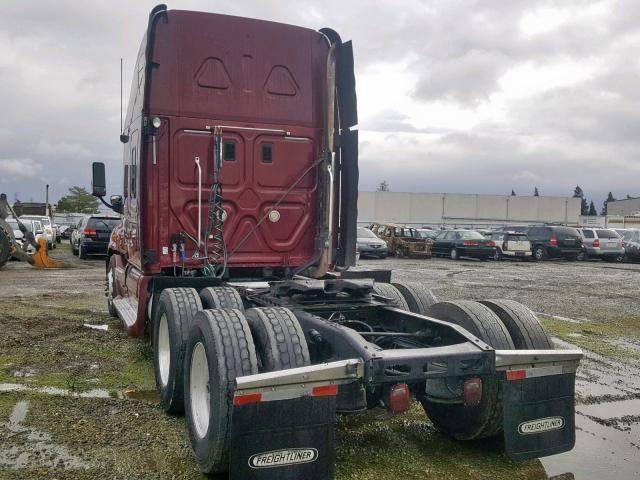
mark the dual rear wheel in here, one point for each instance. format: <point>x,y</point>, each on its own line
<point>199,353</point>
<point>502,324</point>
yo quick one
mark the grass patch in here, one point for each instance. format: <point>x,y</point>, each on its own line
<point>599,337</point>
<point>376,445</point>
<point>47,340</point>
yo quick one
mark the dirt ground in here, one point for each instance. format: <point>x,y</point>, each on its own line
<point>79,402</point>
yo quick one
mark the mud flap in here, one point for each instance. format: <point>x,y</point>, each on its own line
<point>539,415</point>
<point>288,439</point>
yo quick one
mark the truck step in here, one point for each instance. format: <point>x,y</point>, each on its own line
<point>127,310</point>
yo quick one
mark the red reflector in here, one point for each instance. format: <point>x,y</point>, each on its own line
<point>399,397</point>
<point>89,231</point>
<point>249,398</point>
<point>325,391</point>
<point>516,375</point>
<point>472,392</point>
<point>554,241</point>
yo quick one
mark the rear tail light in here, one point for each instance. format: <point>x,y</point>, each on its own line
<point>399,398</point>
<point>472,392</point>
<point>468,242</point>
<point>491,243</point>
<point>89,231</point>
<point>554,241</point>
<point>596,243</point>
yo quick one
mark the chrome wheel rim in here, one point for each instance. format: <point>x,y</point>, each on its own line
<point>164,350</point>
<point>199,390</point>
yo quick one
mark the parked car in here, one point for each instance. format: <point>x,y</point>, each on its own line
<point>426,233</point>
<point>369,245</point>
<point>631,243</point>
<point>48,230</point>
<point>555,242</point>
<point>463,243</point>
<point>64,231</point>
<point>602,243</point>
<point>511,244</point>
<point>92,235</point>
<point>402,241</point>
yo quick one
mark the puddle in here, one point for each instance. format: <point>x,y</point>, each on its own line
<point>600,452</point>
<point>146,395</point>
<point>95,393</point>
<point>35,448</point>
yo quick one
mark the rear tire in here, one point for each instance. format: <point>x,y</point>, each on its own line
<point>484,420</point>
<point>171,323</point>
<point>279,339</point>
<point>389,291</point>
<point>498,255</point>
<point>74,250</point>
<point>82,252</point>
<point>418,297</point>
<point>221,297</point>
<point>539,253</point>
<point>219,349</point>
<point>524,327</point>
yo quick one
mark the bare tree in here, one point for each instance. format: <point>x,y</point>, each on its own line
<point>383,186</point>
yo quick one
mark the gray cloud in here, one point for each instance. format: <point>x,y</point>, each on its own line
<point>59,68</point>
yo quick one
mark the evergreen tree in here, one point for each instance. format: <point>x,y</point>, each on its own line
<point>584,207</point>
<point>78,201</point>
<point>610,198</point>
<point>536,193</point>
<point>577,192</point>
<point>513,193</point>
<point>592,209</point>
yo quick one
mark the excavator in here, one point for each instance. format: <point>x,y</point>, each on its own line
<point>10,248</point>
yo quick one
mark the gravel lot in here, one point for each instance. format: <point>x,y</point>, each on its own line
<point>79,403</point>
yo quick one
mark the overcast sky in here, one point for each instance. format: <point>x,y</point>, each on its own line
<point>454,96</point>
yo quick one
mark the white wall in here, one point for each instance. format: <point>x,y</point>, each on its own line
<point>460,209</point>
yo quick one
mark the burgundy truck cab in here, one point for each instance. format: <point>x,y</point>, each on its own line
<point>258,98</point>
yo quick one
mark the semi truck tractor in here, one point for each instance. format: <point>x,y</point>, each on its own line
<point>239,227</point>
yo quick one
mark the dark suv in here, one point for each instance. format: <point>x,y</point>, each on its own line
<point>92,235</point>
<point>554,242</point>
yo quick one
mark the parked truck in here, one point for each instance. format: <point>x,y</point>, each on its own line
<point>239,227</point>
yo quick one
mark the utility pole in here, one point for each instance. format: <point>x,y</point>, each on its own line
<point>47,210</point>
